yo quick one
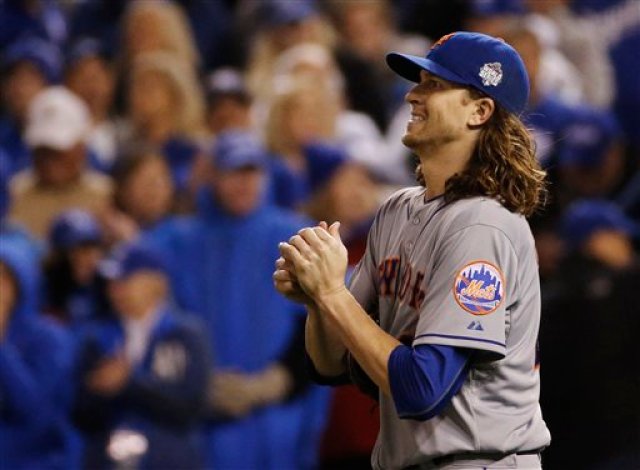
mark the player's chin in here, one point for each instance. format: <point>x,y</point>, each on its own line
<point>410,140</point>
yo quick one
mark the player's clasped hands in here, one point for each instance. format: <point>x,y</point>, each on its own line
<point>313,264</point>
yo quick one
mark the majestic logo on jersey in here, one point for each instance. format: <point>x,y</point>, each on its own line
<point>406,286</point>
<point>491,74</point>
<point>479,288</point>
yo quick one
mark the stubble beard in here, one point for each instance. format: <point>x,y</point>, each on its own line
<point>422,144</point>
<point>410,141</point>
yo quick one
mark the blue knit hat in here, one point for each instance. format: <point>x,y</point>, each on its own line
<point>74,227</point>
<point>323,161</point>
<point>588,216</point>
<point>83,48</point>
<point>483,62</point>
<point>237,149</point>
<point>130,258</point>
<point>43,54</point>
<point>282,12</point>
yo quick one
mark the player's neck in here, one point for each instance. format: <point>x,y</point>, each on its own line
<point>441,163</point>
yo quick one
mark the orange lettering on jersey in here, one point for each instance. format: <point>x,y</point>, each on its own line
<point>417,294</point>
<point>388,273</point>
<point>474,289</point>
<point>408,288</point>
<point>406,282</point>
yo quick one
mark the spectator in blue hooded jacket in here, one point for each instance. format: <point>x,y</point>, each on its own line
<point>142,373</point>
<point>262,413</point>
<point>36,359</point>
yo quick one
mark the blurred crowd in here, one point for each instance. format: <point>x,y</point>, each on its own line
<point>153,154</point>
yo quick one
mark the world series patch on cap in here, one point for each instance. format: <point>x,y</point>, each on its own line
<point>486,63</point>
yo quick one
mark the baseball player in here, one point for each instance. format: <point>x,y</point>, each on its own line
<point>442,312</point>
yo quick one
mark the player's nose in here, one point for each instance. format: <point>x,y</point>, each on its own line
<point>412,95</point>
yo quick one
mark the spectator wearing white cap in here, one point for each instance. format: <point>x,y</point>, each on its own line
<point>57,126</point>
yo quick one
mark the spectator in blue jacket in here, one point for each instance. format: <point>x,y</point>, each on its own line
<point>263,415</point>
<point>36,360</point>
<point>142,373</point>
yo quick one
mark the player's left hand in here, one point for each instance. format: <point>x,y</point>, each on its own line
<point>320,259</point>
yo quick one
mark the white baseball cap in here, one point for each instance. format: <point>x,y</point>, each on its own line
<point>57,119</point>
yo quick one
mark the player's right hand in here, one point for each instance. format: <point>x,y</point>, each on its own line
<point>285,282</point>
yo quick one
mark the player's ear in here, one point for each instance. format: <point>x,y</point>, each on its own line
<point>483,109</point>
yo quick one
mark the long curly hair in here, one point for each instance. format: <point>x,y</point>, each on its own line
<point>503,166</point>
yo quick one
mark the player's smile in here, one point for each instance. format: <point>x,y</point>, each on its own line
<point>416,118</point>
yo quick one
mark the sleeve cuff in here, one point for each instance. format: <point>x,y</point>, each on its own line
<point>496,349</point>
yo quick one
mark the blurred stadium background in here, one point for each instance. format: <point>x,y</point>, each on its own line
<point>153,154</point>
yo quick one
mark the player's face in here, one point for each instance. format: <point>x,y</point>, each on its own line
<point>440,112</point>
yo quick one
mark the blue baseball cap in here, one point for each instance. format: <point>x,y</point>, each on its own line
<point>237,149</point>
<point>486,63</point>
<point>282,12</point>
<point>83,48</point>
<point>128,259</point>
<point>485,8</point>
<point>43,54</point>
<point>588,138</point>
<point>323,161</point>
<point>588,216</point>
<point>74,227</point>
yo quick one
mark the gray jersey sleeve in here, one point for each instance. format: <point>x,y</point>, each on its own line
<point>469,291</point>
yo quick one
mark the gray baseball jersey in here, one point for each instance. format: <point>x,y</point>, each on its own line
<point>463,274</point>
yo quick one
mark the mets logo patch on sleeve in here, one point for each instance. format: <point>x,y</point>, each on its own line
<point>479,288</point>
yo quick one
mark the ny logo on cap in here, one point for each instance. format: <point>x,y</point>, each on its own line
<point>491,74</point>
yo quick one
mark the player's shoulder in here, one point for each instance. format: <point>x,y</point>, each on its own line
<point>485,212</point>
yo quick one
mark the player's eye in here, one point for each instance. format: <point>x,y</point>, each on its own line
<point>433,84</point>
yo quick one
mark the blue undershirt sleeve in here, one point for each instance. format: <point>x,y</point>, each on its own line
<point>425,378</point>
